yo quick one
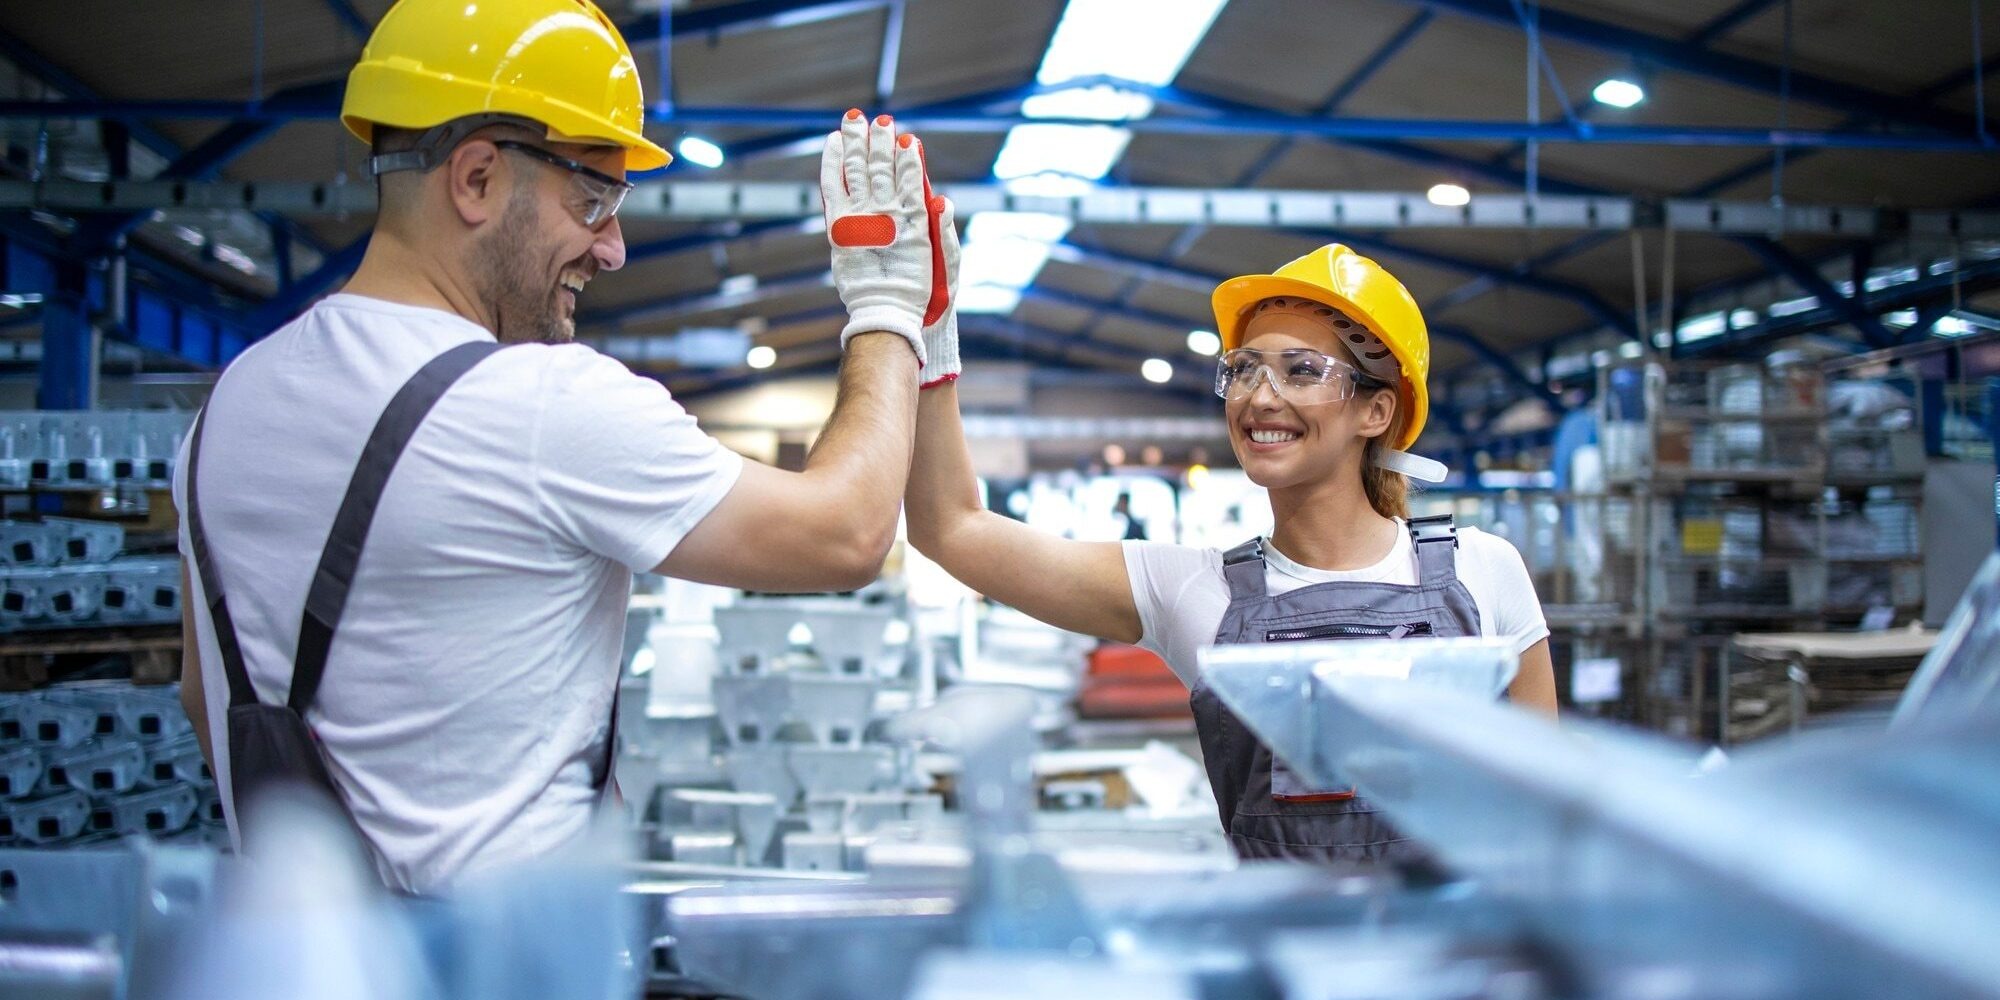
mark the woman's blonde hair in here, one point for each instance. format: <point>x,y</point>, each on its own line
<point>1388,492</point>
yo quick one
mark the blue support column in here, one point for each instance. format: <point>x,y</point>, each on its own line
<point>1993,433</point>
<point>1931,404</point>
<point>68,376</point>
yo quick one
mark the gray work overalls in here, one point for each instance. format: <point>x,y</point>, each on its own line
<point>1268,811</point>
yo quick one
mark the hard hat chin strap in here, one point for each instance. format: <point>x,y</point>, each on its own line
<point>437,142</point>
<point>1417,467</point>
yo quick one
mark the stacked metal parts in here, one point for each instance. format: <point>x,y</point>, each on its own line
<point>804,781</point>
<point>94,761</point>
<point>1588,862</point>
<point>62,572</point>
<point>90,449</point>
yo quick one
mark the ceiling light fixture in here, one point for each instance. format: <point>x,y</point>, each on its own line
<point>761,357</point>
<point>1157,370</point>
<point>1204,342</point>
<point>700,151</point>
<point>1448,195</point>
<point>1618,93</point>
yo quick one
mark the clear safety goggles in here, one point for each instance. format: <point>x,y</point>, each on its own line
<point>594,196</point>
<point>1301,377</point>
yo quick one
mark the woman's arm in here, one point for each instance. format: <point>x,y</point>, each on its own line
<point>1079,586</point>
<point>1534,687</point>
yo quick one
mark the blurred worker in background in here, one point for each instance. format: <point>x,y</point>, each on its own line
<point>1323,381</point>
<point>470,652</point>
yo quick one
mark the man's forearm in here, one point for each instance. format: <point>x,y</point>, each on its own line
<point>863,453</point>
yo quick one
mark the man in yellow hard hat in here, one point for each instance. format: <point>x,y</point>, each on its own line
<point>413,548</point>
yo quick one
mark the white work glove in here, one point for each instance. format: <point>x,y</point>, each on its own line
<point>941,334</point>
<point>873,187</point>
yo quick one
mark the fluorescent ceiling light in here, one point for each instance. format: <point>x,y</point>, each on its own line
<point>1100,103</point>
<point>988,300</point>
<point>1144,43</point>
<point>1085,151</point>
<point>1951,326</point>
<point>1007,250</point>
<point>1042,227</point>
<point>1204,342</point>
<point>1703,327</point>
<point>1618,93</point>
<point>1448,195</point>
<point>1740,318</point>
<point>1048,185</point>
<point>235,258</point>
<point>1010,263</point>
<point>1157,370</point>
<point>760,357</point>
<point>700,151</point>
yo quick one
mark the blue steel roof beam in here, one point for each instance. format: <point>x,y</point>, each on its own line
<point>1370,66</point>
<point>334,269</point>
<point>654,310</point>
<point>1815,284</point>
<point>711,234</point>
<point>199,163</point>
<point>1576,295</point>
<point>1726,22</point>
<point>1696,60</point>
<point>746,15</point>
<point>892,53</point>
<point>349,18</point>
<point>1500,362</point>
<point>1972,279</point>
<point>810,138</point>
<point>1382,133</point>
<point>22,55</point>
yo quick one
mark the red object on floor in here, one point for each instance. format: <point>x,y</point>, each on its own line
<point>1126,682</point>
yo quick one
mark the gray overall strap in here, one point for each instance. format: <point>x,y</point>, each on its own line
<point>1243,568</point>
<point>1436,542</point>
<point>240,691</point>
<point>337,562</point>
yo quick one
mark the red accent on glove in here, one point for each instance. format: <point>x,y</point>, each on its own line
<point>865,230</point>
<point>934,383</point>
<point>940,289</point>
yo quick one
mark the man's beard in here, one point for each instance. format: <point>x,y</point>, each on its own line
<point>526,306</point>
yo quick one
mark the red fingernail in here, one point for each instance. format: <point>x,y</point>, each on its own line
<point>904,140</point>
<point>884,121</point>
<point>853,114</point>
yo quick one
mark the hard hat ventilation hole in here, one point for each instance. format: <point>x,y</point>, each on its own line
<point>1358,338</point>
<point>1323,311</point>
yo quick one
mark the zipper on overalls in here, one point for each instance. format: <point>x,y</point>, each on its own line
<point>1350,631</point>
<point>1341,630</point>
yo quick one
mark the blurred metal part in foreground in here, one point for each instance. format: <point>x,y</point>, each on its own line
<point>1961,676</point>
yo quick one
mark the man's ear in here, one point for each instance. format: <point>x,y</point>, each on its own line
<point>476,182</point>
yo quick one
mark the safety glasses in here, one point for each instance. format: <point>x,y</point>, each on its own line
<point>1299,376</point>
<point>596,195</point>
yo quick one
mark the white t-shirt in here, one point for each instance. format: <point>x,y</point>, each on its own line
<point>467,696</point>
<point>1181,592</point>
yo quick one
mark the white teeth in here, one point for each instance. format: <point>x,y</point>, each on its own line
<point>1272,437</point>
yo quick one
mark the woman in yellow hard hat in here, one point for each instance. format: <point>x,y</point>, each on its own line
<point>1323,380</point>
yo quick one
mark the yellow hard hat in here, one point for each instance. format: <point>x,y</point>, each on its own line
<point>1336,276</point>
<point>561,63</point>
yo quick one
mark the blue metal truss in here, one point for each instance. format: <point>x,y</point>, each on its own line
<point>1727,21</point>
<point>1697,60</point>
<point>1813,283</point>
<point>349,18</point>
<point>1261,123</point>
